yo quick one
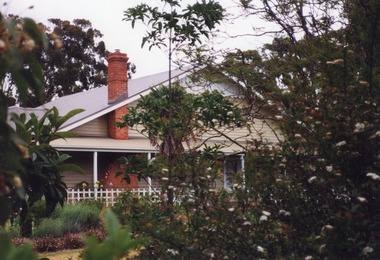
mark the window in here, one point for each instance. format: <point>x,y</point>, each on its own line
<point>232,165</point>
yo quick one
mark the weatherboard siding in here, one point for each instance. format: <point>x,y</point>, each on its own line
<point>95,128</point>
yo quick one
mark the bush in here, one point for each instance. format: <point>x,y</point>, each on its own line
<point>73,218</point>
<point>79,217</point>
<point>73,241</point>
<point>48,244</point>
<point>98,204</point>
<point>49,227</point>
<point>135,210</point>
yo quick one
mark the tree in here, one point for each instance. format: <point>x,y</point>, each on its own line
<point>17,40</point>
<point>315,194</point>
<point>320,186</point>
<point>43,164</point>
<point>171,29</point>
<point>29,167</point>
<point>79,64</point>
<point>73,62</point>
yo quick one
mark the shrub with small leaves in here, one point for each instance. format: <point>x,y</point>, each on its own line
<point>48,244</point>
<point>73,241</point>
<point>49,227</point>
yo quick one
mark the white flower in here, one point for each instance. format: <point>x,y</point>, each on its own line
<point>165,170</point>
<point>246,223</point>
<point>172,251</point>
<point>309,257</point>
<point>284,212</point>
<point>297,135</point>
<point>312,179</point>
<point>278,180</point>
<point>359,127</point>
<point>327,227</point>
<point>341,143</point>
<point>231,209</point>
<point>373,176</point>
<point>170,187</point>
<point>165,178</point>
<point>377,133</point>
<point>17,182</point>
<point>322,248</point>
<point>263,218</point>
<point>260,249</point>
<point>266,213</point>
<point>337,61</point>
<point>278,117</point>
<point>361,199</point>
<point>29,45</point>
<point>329,168</point>
<point>367,250</point>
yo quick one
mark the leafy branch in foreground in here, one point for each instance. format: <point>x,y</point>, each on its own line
<point>117,245</point>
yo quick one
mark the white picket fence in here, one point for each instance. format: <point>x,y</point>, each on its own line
<point>107,195</point>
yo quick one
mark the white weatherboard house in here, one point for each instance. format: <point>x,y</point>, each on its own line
<point>99,143</point>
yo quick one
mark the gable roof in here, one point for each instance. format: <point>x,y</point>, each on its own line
<point>95,101</point>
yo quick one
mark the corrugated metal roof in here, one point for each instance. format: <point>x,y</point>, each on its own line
<point>95,101</point>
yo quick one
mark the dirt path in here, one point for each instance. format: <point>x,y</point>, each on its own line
<point>63,255</point>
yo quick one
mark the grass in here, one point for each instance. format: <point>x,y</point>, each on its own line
<point>63,255</point>
<point>74,255</point>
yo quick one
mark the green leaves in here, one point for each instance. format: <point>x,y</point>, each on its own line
<point>32,29</point>
<point>177,27</point>
<point>10,252</point>
<point>44,164</point>
<point>193,115</point>
<point>21,37</point>
<point>117,245</point>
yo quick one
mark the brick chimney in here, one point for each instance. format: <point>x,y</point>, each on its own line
<point>117,91</point>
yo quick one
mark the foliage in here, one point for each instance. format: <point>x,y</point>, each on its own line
<point>79,217</point>
<point>137,210</point>
<point>65,242</point>
<point>73,62</point>
<point>178,27</point>
<point>49,227</point>
<point>170,28</point>
<point>17,39</point>
<point>10,252</point>
<point>193,116</point>
<point>117,245</point>
<point>315,194</point>
<point>43,164</point>
<point>72,218</point>
<point>320,185</point>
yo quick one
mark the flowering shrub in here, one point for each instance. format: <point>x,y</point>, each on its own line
<point>66,242</point>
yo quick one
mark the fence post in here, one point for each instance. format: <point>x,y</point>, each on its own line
<point>149,179</point>
<point>95,173</point>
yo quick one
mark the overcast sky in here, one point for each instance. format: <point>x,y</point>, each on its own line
<point>107,16</point>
